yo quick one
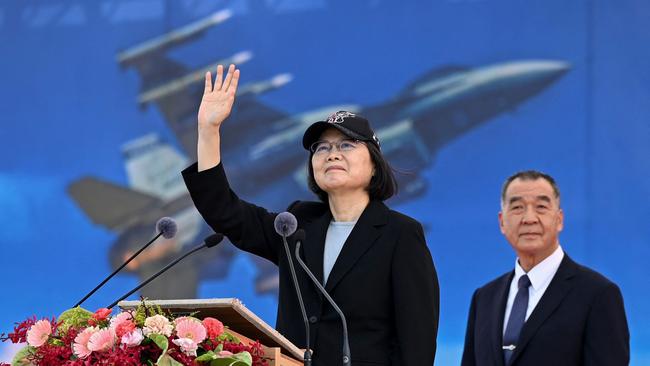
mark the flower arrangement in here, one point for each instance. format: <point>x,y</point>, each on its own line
<point>145,336</point>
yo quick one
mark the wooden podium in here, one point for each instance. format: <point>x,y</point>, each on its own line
<point>241,322</point>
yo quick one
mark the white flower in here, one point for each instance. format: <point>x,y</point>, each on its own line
<point>187,345</point>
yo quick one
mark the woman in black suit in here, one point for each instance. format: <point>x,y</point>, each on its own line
<point>373,261</point>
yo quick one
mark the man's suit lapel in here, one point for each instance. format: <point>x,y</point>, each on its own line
<point>366,231</point>
<point>498,307</point>
<point>556,292</point>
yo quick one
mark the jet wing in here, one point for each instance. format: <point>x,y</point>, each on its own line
<point>181,107</point>
<point>110,205</point>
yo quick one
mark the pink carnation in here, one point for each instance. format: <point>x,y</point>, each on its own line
<point>132,339</point>
<point>188,346</point>
<point>157,324</point>
<point>192,329</point>
<point>102,340</point>
<point>213,327</point>
<point>120,318</point>
<point>38,333</point>
<point>80,346</point>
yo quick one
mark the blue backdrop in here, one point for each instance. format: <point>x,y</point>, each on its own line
<point>67,107</point>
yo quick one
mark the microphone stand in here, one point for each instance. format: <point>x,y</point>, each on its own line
<point>347,358</point>
<point>307,356</point>
<point>158,274</point>
<point>119,269</point>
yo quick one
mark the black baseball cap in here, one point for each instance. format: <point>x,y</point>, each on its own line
<point>350,124</point>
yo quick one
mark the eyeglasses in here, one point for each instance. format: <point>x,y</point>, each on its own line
<point>325,147</point>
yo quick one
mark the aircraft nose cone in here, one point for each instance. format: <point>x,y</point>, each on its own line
<point>546,69</point>
<point>543,71</point>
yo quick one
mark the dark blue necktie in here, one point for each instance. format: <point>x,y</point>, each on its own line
<point>517,319</point>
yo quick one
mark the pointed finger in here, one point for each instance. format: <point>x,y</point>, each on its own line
<point>231,71</point>
<point>232,89</point>
<point>208,83</point>
<point>217,83</point>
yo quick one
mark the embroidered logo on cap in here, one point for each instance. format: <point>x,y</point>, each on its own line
<point>339,116</point>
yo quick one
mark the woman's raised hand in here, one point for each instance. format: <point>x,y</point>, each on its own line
<point>218,98</point>
<point>215,108</point>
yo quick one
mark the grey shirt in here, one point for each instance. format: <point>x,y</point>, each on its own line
<point>337,234</point>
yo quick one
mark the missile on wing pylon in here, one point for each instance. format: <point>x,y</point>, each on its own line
<point>176,85</point>
<point>172,38</point>
<point>260,87</point>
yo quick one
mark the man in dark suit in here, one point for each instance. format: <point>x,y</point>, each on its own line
<point>550,310</point>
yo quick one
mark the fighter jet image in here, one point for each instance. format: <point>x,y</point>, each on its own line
<point>430,112</point>
<point>263,154</point>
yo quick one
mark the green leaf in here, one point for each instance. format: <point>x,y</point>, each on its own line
<point>160,340</point>
<point>163,343</point>
<point>74,318</point>
<point>239,359</point>
<point>206,357</point>
<point>227,337</point>
<point>244,357</point>
<point>19,358</point>
<point>167,360</point>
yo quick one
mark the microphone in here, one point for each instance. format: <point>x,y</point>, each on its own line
<point>166,227</point>
<point>286,224</point>
<point>347,358</point>
<point>208,242</point>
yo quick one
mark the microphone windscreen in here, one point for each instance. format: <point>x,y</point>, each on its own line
<point>167,226</point>
<point>299,235</point>
<point>285,223</point>
<point>213,240</point>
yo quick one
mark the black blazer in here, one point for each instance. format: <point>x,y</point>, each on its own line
<point>383,280</point>
<point>580,320</point>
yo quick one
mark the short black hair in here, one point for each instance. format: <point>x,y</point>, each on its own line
<point>383,184</point>
<point>529,175</point>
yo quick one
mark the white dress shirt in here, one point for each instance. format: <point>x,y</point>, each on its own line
<point>540,277</point>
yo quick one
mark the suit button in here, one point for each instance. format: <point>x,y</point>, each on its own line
<point>313,319</point>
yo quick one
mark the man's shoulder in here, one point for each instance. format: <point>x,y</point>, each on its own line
<point>586,276</point>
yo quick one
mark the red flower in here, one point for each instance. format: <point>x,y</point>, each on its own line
<point>123,328</point>
<point>102,314</point>
<point>19,335</point>
<point>213,327</point>
<point>99,316</point>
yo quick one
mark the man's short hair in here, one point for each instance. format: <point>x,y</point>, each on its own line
<point>529,175</point>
